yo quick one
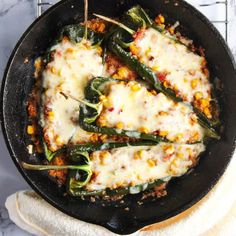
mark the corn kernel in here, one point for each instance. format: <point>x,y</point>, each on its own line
<point>180,155</point>
<point>103,155</point>
<point>205,103</point>
<point>115,76</point>
<point>133,49</point>
<point>107,103</point>
<point>138,155</point>
<point>139,177</point>
<point>123,72</point>
<point>163,133</point>
<point>99,49</point>
<point>69,50</point>
<point>151,162</point>
<point>94,138</point>
<point>141,153</point>
<point>194,83</point>
<point>163,113</point>
<point>161,18</point>
<point>155,68</point>
<point>102,97</point>
<point>102,121</point>
<point>38,63</point>
<point>175,163</point>
<point>178,137</point>
<point>198,95</point>
<point>144,130</point>
<point>207,112</point>
<point>136,87</point>
<point>153,92</point>
<point>169,149</point>
<point>171,30</point>
<point>122,82</point>
<point>166,84</point>
<point>53,70</point>
<point>175,87</point>
<point>59,73</point>
<point>30,129</point>
<point>58,140</point>
<point>119,184</point>
<point>103,137</point>
<point>51,114</point>
<point>119,125</point>
<point>196,136</point>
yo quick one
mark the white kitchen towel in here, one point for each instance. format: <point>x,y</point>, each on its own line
<point>214,215</point>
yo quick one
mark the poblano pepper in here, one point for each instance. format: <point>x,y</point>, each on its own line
<point>120,40</point>
<point>91,108</point>
<point>80,168</point>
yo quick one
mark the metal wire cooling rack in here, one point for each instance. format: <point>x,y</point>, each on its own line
<point>43,5</point>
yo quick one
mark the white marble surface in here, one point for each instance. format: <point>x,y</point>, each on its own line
<point>15,17</point>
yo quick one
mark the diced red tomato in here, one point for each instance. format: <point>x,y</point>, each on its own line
<point>111,109</point>
<point>162,76</point>
<point>139,34</point>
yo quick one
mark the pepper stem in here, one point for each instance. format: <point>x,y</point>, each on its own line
<point>116,23</point>
<point>28,166</point>
<point>86,19</point>
<point>97,106</point>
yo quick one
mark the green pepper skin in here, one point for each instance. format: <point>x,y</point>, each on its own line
<point>74,150</point>
<point>137,18</point>
<point>75,33</point>
<point>116,192</point>
<point>51,155</point>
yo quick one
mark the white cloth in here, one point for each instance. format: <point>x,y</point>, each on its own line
<point>213,215</point>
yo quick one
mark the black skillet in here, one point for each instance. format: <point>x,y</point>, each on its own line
<point>183,192</point>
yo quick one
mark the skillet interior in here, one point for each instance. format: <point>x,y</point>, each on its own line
<point>183,192</point>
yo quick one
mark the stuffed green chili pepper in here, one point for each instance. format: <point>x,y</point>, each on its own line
<point>128,108</point>
<point>70,63</point>
<point>166,62</point>
<point>123,168</point>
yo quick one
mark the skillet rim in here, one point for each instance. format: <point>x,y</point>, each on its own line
<point>189,204</point>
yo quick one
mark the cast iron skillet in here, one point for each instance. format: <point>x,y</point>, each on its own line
<point>183,192</point>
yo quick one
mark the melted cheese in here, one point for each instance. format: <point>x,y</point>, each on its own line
<point>69,71</point>
<point>130,166</point>
<point>181,65</point>
<point>140,110</point>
